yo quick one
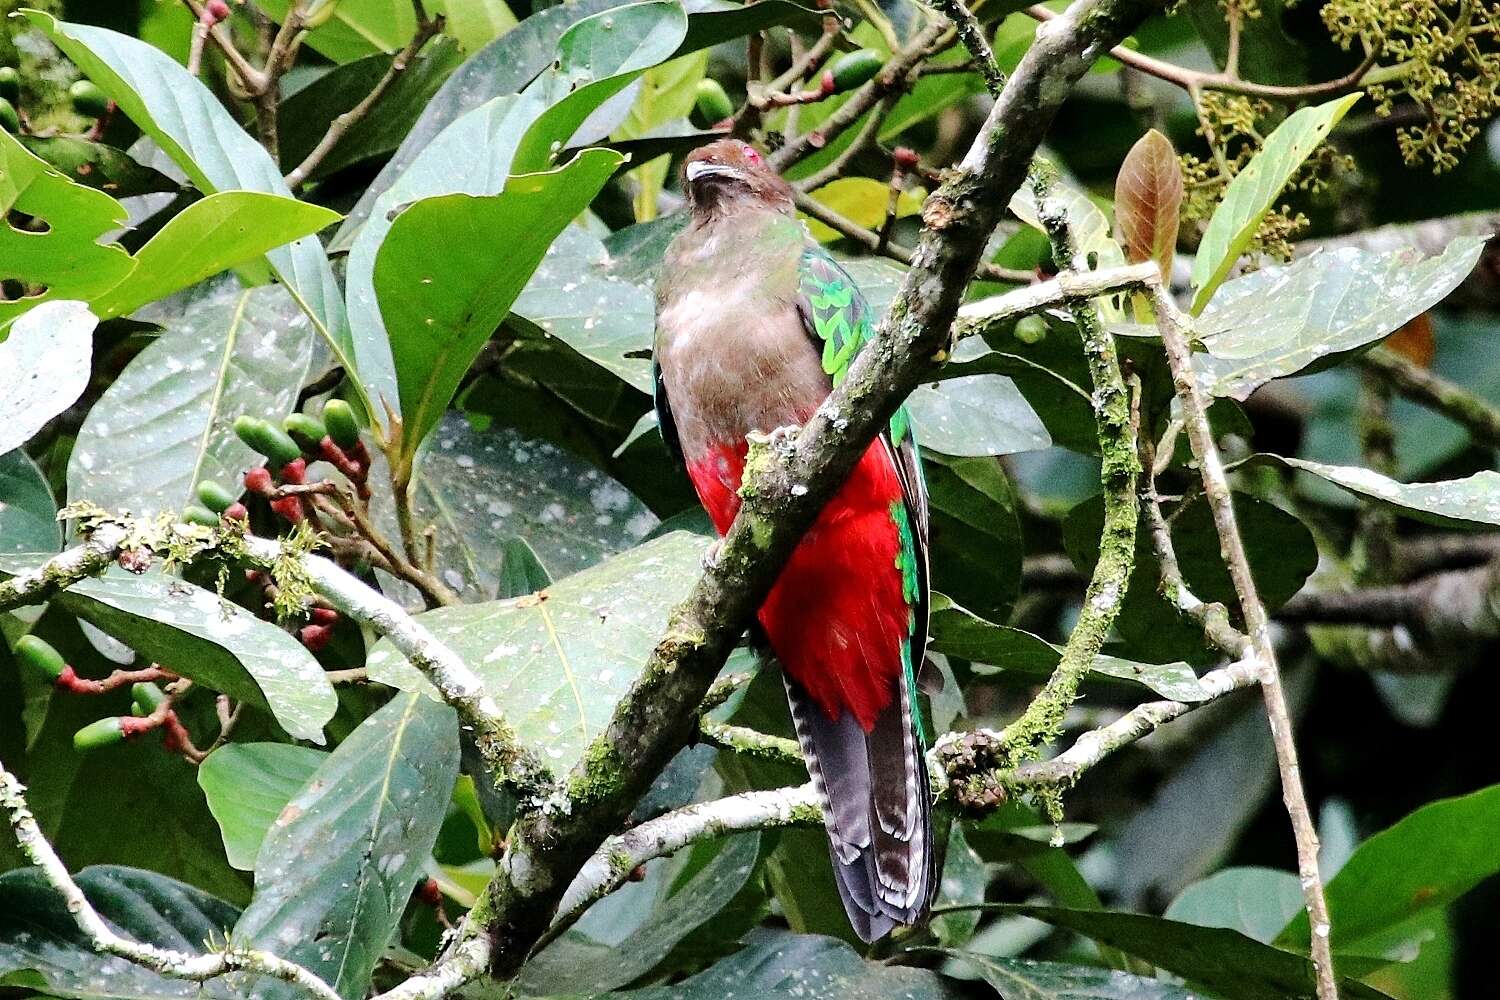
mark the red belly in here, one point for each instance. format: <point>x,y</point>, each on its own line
<point>836,618</point>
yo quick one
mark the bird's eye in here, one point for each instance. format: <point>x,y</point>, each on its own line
<point>751,154</point>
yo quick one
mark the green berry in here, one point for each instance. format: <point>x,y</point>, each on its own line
<point>338,416</point>
<point>9,119</point>
<point>854,69</point>
<point>10,83</point>
<point>147,696</point>
<point>308,431</point>
<point>98,734</point>
<point>39,654</point>
<point>193,514</point>
<point>213,496</point>
<point>88,99</point>
<point>268,439</point>
<point>712,104</point>
<point>1031,329</point>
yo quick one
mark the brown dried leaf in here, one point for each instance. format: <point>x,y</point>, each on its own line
<point>1148,197</point>
<point>1414,341</point>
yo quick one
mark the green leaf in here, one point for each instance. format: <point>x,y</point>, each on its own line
<point>209,236</point>
<point>46,360</point>
<point>668,92</point>
<point>476,23</point>
<point>1093,240</point>
<point>976,416</point>
<point>579,963</point>
<point>956,631</point>
<point>776,965</point>
<point>1257,902</point>
<point>96,165</point>
<point>247,786</point>
<point>976,543</point>
<point>195,633</point>
<point>357,28</point>
<point>440,301</point>
<point>1254,190</point>
<point>484,492</point>
<point>1425,861</point>
<point>561,660</point>
<point>1223,961</point>
<point>65,256</point>
<point>166,423</point>
<point>1278,321</point>
<point>1455,503</point>
<point>307,112</point>
<point>41,946</point>
<point>187,121</point>
<point>863,200</point>
<point>1026,979</point>
<point>964,881</point>
<point>338,866</point>
<point>28,513</point>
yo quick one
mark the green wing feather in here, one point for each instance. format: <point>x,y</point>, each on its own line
<point>838,315</point>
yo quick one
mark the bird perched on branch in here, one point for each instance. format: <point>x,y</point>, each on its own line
<point>755,324</point>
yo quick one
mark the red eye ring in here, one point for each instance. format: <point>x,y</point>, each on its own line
<point>751,153</point>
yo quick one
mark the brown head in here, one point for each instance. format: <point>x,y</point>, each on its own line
<point>731,175</point>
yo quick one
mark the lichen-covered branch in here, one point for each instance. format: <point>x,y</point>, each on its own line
<point>750,742</point>
<point>1473,414</point>
<point>1172,325</point>
<point>548,846</point>
<point>103,940</point>
<point>101,548</point>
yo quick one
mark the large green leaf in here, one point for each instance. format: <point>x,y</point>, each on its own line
<point>307,112</point>
<point>976,415</point>
<point>28,512</point>
<point>187,121</point>
<point>484,490</point>
<point>166,422</point>
<point>1453,503</point>
<point>111,170</point>
<point>1281,320</point>
<point>46,361</point>
<point>209,236</point>
<point>357,27</point>
<point>1254,190</point>
<point>1257,902</point>
<point>581,963</point>
<point>440,301</point>
<point>976,544</point>
<point>247,786</point>
<point>1026,979</point>
<point>560,660</point>
<point>41,947</point>
<point>956,631</point>
<point>1221,960</point>
<point>65,255</point>
<point>1424,862</point>
<point>777,965</point>
<point>338,866</point>
<point>198,634</point>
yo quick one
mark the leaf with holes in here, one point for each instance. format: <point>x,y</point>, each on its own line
<point>167,422</point>
<point>41,947</point>
<point>338,865</point>
<point>46,361</point>
<point>1254,190</point>
<point>1148,199</point>
<point>561,659</point>
<point>247,785</point>
<point>59,249</point>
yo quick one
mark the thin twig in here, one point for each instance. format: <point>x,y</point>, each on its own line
<point>1172,325</point>
<point>1453,401</point>
<point>864,140</point>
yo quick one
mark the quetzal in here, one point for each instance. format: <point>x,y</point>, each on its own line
<point>755,323</point>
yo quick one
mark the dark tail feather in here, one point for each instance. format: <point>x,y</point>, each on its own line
<point>877,809</point>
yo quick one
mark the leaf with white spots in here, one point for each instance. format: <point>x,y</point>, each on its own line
<point>247,785</point>
<point>194,632</point>
<point>1455,503</point>
<point>558,661</point>
<point>1027,979</point>
<point>337,867</point>
<point>167,422</point>
<point>46,364</point>
<point>975,415</point>
<point>1279,321</point>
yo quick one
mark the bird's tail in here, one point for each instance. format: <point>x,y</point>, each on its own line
<point>873,788</point>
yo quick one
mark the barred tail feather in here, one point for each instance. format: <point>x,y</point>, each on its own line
<point>873,788</point>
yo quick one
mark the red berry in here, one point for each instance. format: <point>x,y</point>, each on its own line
<point>429,893</point>
<point>236,512</point>
<point>258,480</point>
<point>215,11</point>
<point>905,157</point>
<point>294,472</point>
<point>289,508</point>
<point>826,83</point>
<point>323,616</point>
<point>315,637</point>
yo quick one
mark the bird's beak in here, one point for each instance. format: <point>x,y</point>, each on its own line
<point>700,169</point>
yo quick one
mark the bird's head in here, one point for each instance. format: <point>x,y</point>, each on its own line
<point>730,175</point>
